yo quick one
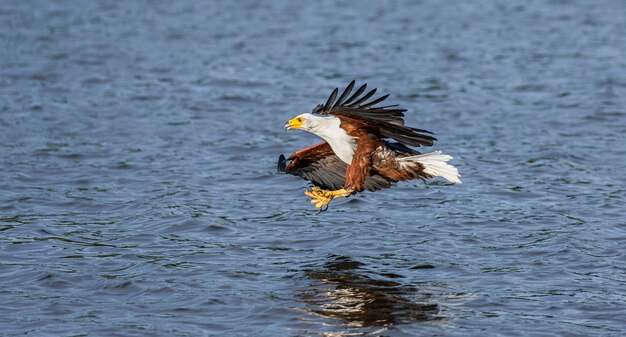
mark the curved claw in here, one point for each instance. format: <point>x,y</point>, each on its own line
<point>323,209</point>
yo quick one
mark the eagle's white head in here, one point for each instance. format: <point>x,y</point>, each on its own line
<point>328,128</point>
<point>309,122</point>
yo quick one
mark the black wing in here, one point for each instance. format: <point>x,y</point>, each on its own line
<point>387,120</point>
<point>319,165</point>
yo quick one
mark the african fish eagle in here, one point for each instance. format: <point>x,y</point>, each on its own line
<point>358,152</point>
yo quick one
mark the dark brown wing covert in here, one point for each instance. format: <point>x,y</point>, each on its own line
<point>319,165</point>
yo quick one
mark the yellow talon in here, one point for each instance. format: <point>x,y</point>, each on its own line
<point>318,192</point>
<point>321,202</point>
<point>321,197</point>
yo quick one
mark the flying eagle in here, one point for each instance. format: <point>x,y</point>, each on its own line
<point>366,147</point>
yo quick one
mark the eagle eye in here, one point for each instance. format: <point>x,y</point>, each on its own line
<point>299,119</point>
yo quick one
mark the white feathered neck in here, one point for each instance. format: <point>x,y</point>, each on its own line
<point>328,128</point>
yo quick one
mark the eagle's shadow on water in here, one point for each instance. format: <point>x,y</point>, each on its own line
<point>343,290</point>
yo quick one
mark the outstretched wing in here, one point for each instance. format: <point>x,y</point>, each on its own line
<point>319,165</point>
<point>386,121</point>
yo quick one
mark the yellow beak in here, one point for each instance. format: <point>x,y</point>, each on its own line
<point>295,123</point>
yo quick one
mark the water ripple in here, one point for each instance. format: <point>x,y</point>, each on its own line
<point>139,195</point>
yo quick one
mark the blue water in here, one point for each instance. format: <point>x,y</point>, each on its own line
<point>138,194</point>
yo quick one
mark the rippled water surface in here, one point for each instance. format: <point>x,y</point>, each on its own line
<point>138,193</point>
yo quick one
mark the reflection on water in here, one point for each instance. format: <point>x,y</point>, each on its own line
<point>343,290</point>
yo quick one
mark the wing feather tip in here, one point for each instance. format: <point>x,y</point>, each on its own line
<point>282,163</point>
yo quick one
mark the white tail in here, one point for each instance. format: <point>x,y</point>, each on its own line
<point>436,165</point>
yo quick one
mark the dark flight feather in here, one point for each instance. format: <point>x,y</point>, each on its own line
<point>345,94</point>
<point>384,121</point>
<point>364,98</point>
<point>331,98</point>
<point>319,165</point>
<point>374,102</point>
<point>356,94</point>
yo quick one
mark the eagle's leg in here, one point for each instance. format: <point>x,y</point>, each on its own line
<point>322,198</point>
